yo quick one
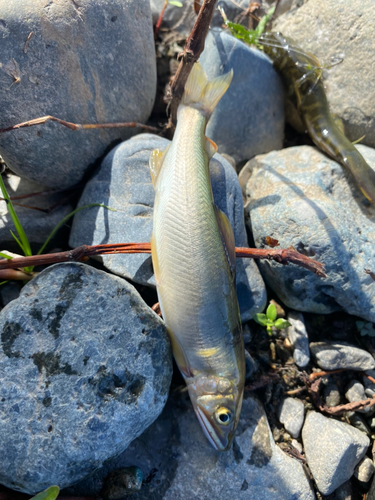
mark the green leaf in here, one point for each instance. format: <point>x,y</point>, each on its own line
<point>282,323</point>
<point>48,494</point>
<point>176,3</point>
<point>3,282</point>
<point>271,312</point>
<point>17,240</point>
<point>260,318</point>
<point>5,256</point>
<point>262,23</point>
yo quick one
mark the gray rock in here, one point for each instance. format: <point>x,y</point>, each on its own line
<point>91,62</point>
<point>291,414</point>
<point>364,470</point>
<point>36,224</point>
<point>358,422</point>
<point>332,395</point>
<point>337,355</point>
<point>85,369</point>
<point>302,198</point>
<point>299,338</point>
<point>297,445</point>
<point>356,392</point>
<point>188,467</point>
<point>249,119</point>
<point>332,449</point>
<point>124,183</point>
<point>340,29</point>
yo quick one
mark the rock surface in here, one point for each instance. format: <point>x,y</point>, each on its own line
<point>338,29</point>
<point>332,395</point>
<point>332,449</point>
<point>85,62</point>
<point>356,392</point>
<point>364,470</point>
<point>85,369</point>
<point>291,414</point>
<point>249,119</point>
<point>37,224</point>
<point>299,338</point>
<point>302,198</point>
<point>124,183</point>
<point>178,463</point>
<point>341,355</point>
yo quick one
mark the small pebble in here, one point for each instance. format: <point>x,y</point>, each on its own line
<point>297,445</point>
<point>364,470</point>
<point>358,422</point>
<point>356,392</point>
<point>291,414</point>
<point>332,395</point>
<point>122,482</point>
<point>341,355</point>
<point>299,339</point>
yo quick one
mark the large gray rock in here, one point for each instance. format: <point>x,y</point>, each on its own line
<point>341,356</point>
<point>249,119</point>
<point>85,369</point>
<point>332,449</point>
<point>306,200</point>
<point>86,62</point>
<point>340,29</point>
<point>124,183</point>
<point>178,463</point>
<point>36,224</point>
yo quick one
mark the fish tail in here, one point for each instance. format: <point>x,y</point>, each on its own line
<point>202,93</point>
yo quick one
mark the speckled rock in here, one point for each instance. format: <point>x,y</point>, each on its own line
<point>299,338</point>
<point>340,29</point>
<point>364,470</point>
<point>85,62</point>
<point>341,355</point>
<point>332,449</point>
<point>178,463</point>
<point>85,369</point>
<point>124,183</point>
<point>37,224</point>
<point>306,200</point>
<point>332,395</point>
<point>249,119</point>
<point>291,414</point>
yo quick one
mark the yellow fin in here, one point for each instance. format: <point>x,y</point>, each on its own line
<point>204,94</point>
<point>156,162</point>
<point>227,238</point>
<point>211,147</point>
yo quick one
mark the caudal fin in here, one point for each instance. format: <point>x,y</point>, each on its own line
<point>202,93</point>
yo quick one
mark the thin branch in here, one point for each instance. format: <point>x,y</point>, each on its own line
<point>78,126</point>
<point>160,19</point>
<point>15,274</point>
<point>193,48</point>
<point>84,252</point>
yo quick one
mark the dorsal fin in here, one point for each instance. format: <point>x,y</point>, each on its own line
<point>227,238</point>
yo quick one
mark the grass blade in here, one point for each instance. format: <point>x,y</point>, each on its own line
<point>5,256</point>
<point>48,494</point>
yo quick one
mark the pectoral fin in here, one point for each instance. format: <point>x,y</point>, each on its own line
<point>227,238</point>
<point>211,147</point>
<point>156,162</point>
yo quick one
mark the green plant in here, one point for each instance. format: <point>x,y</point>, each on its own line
<point>365,328</point>
<point>269,319</point>
<point>50,493</point>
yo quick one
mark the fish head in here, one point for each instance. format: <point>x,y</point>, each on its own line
<point>217,403</point>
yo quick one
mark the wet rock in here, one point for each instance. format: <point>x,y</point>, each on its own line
<point>124,183</point>
<point>364,470</point>
<point>337,355</point>
<point>85,369</point>
<point>255,91</point>
<point>91,62</point>
<point>291,414</point>
<point>356,392</point>
<point>332,395</point>
<point>178,463</point>
<point>331,29</point>
<point>306,200</point>
<point>36,223</point>
<point>299,338</point>
<point>122,482</point>
<point>332,449</point>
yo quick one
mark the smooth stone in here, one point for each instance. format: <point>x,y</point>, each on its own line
<point>332,395</point>
<point>36,224</point>
<point>85,369</point>
<point>341,355</point>
<point>291,414</point>
<point>90,62</point>
<point>364,470</point>
<point>332,450</point>
<point>297,445</point>
<point>356,392</point>
<point>124,183</point>
<point>178,463</point>
<point>249,119</point>
<point>340,29</point>
<point>358,422</point>
<point>306,200</point>
<point>299,338</point>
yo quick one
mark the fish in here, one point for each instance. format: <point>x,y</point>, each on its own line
<point>193,255</point>
<point>301,76</point>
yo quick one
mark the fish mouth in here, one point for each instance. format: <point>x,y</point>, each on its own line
<point>220,441</point>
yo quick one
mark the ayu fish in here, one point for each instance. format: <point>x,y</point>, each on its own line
<point>193,255</point>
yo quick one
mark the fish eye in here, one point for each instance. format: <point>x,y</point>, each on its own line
<point>223,416</point>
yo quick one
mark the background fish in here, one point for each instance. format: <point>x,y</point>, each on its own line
<point>193,254</point>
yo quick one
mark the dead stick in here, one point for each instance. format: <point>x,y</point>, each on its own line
<point>193,48</point>
<point>84,252</point>
<point>78,126</point>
